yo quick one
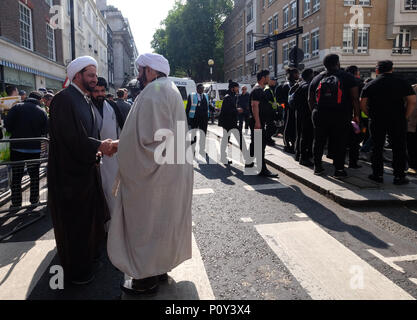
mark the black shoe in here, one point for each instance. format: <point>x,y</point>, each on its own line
<point>399,181</point>
<point>354,166</point>
<point>307,163</point>
<point>147,286</point>
<point>271,143</point>
<point>268,174</point>
<point>163,277</point>
<point>375,178</point>
<point>289,150</point>
<point>340,174</point>
<point>318,170</point>
<point>83,280</point>
<point>297,157</point>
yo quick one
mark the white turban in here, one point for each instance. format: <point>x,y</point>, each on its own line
<point>78,64</point>
<point>154,61</point>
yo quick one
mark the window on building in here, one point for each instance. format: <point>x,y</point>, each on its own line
<point>263,62</point>
<point>286,15</point>
<point>349,2</point>
<point>293,6</point>
<point>316,5</point>
<point>69,7</point>
<point>270,26</point>
<point>249,14</point>
<point>364,2</point>
<point>363,40</point>
<point>348,39</point>
<point>270,61</point>
<point>315,43</point>
<point>402,44</point>
<point>306,46</point>
<point>410,4</point>
<point>276,22</point>
<point>263,28</point>
<point>285,54</point>
<point>80,16</point>
<point>50,39</point>
<point>26,32</point>
<point>249,38</point>
<point>307,7</point>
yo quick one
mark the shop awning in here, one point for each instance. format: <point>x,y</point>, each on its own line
<point>29,70</point>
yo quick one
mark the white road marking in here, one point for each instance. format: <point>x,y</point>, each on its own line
<point>324,267</point>
<point>202,191</point>
<point>270,186</point>
<point>21,266</point>
<point>301,215</point>
<point>190,281</point>
<point>413,280</point>
<point>246,220</point>
<point>391,260</point>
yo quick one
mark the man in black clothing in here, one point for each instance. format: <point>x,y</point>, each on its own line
<point>257,120</point>
<point>228,119</point>
<point>282,95</point>
<point>389,102</point>
<point>124,107</point>
<point>305,130</point>
<point>26,120</point>
<point>198,113</point>
<point>355,138</point>
<point>332,94</point>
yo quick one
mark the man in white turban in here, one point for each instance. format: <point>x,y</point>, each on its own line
<point>75,196</point>
<point>150,229</point>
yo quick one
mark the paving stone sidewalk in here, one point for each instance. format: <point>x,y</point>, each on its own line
<point>355,190</point>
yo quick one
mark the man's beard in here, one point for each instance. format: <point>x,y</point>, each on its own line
<point>87,86</point>
<point>99,101</point>
<point>142,81</point>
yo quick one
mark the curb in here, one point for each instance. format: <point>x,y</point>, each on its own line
<point>329,194</point>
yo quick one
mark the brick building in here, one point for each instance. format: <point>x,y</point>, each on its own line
<point>31,54</point>
<point>389,31</point>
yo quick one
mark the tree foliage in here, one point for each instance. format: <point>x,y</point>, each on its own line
<point>191,35</point>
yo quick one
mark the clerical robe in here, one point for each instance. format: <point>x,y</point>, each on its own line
<point>150,229</point>
<point>75,197</point>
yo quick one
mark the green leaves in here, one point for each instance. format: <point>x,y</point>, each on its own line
<point>191,35</point>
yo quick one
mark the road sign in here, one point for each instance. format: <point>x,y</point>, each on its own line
<point>300,55</point>
<point>260,44</point>
<point>287,34</point>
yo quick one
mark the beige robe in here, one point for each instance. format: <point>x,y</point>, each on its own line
<point>150,229</point>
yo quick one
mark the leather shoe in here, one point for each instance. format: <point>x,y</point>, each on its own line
<point>147,286</point>
<point>268,174</point>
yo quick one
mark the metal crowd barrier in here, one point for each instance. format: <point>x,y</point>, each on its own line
<point>23,187</point>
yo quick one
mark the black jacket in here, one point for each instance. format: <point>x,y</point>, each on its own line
<point>27,120</point>
<point>243,102</point>
<point>124,108</point>
<point>228,116</point>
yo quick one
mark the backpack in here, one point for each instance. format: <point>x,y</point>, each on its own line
<point>329,92</point>
<point>292,96</point>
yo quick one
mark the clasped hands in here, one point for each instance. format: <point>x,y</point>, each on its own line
<point>108,147</point>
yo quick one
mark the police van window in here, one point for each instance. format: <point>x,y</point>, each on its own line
<point>183,92</point>
<point>222,93</point>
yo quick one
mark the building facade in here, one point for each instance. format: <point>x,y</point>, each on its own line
<point>123,43</point>
<point>388,31</point>
<point>31,50</point>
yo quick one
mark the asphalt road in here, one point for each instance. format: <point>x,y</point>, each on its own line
<point>253,235</point>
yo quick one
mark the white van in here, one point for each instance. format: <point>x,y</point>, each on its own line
<point>186,86</point>
<point>217,91</point>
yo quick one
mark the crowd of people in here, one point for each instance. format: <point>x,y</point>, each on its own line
<point>334,110</point>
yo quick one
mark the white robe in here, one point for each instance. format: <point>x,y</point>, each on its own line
<point>109,129</point>
<point>150,230</point>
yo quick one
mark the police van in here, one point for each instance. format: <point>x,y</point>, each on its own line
<point>217,92</point>
<point>186,86</point>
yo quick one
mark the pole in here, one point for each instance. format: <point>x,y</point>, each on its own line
<point>72,30</point>
<point>297,36</point>
<point>211,74</point>
<point>276,59</point>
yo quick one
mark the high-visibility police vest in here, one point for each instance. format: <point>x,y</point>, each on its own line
<point>194,103</point>
<point>274,103</point>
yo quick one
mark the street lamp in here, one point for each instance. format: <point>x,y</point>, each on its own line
<point>211,64</point>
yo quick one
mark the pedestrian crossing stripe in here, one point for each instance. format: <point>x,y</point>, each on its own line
<point>324,267</point>
<point>202,191</point>
<point>270,186</point>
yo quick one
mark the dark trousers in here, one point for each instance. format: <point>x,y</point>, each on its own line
<point>332,127</point>
<point>397,131</point>
<point>271,129</point>
<point>412,149</point>
<point>290,128</point>
<point>252,146</point>
<point>200,123</point>
<point>17,175</point>
<point>354,145</point>
<point>304,135</point>
<point>226,139</point>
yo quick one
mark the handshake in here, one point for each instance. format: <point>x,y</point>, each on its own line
<point>108,147</point>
